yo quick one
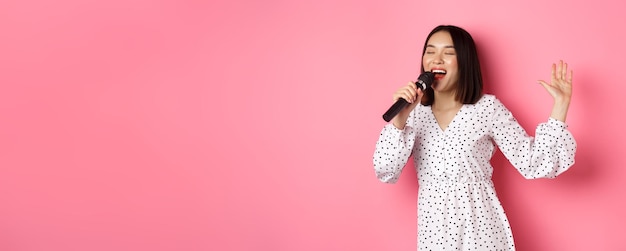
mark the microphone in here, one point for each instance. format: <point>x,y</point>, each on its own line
<point>424,81</point>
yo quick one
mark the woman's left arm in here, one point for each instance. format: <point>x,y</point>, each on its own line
<point>560,88</point>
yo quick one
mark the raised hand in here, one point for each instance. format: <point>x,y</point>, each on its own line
<point>560,88</point>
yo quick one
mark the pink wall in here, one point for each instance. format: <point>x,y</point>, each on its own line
<point>250,125</point>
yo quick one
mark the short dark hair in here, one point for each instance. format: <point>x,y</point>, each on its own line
<point>470,85</point>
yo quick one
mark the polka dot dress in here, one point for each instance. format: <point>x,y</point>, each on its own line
<point>457,204</point>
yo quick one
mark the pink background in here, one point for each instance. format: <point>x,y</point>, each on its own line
<point>250,125</point>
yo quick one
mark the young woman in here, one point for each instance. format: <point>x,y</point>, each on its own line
<point>451,131</point>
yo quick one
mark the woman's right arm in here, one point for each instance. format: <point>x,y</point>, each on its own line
<point>396,140</point>
<point>393,149</point>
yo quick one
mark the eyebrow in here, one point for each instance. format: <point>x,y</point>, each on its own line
<point>447,46</point>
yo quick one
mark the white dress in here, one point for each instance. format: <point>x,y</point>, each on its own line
<point>457,204</point>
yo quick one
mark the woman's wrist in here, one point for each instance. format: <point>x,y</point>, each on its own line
<point>399,122</point>
<point>398,125</point>
<point>559,109</point>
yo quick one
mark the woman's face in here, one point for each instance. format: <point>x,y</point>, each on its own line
<point>440,56</point>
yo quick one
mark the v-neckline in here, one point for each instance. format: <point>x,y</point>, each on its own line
<point>444,130</point>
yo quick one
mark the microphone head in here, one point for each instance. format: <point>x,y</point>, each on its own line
<point>425,80</point>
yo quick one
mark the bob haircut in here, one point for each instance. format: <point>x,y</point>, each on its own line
<point>470,86</point>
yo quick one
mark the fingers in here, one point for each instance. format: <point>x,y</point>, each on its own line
<point>563,67</point>
<point>408,92</point>
<point>561,85</point>
<point>559,72</point>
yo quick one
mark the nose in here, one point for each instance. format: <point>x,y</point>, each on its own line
<point>437,59</point>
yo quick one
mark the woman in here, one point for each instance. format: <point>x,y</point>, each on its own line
<point>451,130</point>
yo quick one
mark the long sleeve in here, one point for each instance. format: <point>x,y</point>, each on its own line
<point>393,149</point>
<point>547,155</point>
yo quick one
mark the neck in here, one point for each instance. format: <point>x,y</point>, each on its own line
<point>444,101</point>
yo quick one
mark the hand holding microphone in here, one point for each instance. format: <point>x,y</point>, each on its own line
<point>407,96</point>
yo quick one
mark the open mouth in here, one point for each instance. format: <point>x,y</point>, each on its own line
<point>438,71</point>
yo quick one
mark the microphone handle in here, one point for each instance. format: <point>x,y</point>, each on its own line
<point>395,109</point>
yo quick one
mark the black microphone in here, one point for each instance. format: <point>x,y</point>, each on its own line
<point>424,81</point>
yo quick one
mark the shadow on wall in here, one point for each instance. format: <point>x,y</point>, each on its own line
<point>585,119</point>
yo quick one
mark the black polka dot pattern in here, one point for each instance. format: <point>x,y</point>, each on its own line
<point>458,208</point>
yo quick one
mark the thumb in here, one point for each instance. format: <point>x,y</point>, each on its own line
<point>544,84</point>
